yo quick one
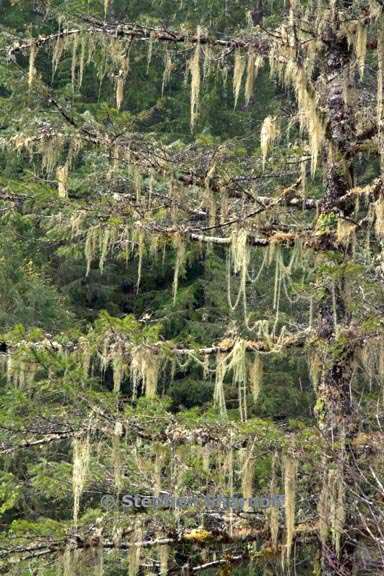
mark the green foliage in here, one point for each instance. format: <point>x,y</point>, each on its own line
<point>10,492</point>
<point>89,313</point>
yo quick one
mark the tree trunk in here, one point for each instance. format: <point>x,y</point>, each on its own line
<point>334,408</point>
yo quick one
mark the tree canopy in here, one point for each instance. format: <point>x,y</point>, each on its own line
<point>191,284</point>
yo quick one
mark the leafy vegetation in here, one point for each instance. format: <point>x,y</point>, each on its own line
<point>191,286</point>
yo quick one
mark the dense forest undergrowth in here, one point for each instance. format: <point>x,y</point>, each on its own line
<point>191,287</point>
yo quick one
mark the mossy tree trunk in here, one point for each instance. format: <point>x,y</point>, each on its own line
<point>334,410</point>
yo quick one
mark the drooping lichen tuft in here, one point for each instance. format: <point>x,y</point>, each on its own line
<point>309,115</point>
<point>194,67</point>
<point>273,510</point>
<point>379,218</point>
<point>238,73</point>
<point>57,54</point>
<point>134,555</point>
<point>247,477</point>
<point>290,498</point>
<point>268,135</point>
<point>253,65</point>
<point>32,67</point>
<point>145,367</point>
<point>220,372</point>
<point>337,508</point>
<point>117,455</point>
<point>345,231</point>
<point>168,67</point>
<point>90,247</point>
<point>255,375</point>
<point>315,365</point>
<point>62,180</point>
<point>179,264</point>
<point>120,81</point>
<point>163,559</point>
<point>361,47</point>
<point>331,508</point>
<point>81,457</point>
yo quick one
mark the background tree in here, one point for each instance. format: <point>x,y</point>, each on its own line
<point>192,203</point>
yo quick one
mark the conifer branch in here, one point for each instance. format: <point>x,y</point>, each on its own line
<point>137,32</point>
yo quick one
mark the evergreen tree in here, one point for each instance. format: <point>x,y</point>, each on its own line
<point>192,283</point>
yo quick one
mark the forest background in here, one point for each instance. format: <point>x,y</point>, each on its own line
<point>182,282</point>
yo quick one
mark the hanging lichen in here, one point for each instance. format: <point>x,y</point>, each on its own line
<point>208,59</point>
<point>105,243</point>
<point>194,68</point>
<point>210,200</point>
<point>239,251</point>
<point>150,52</point>
<point>289,501</point>
<point>163,559</point>
<point>118,366</point>
<point>134,555</point>
<point>159,458</point>
<point>345,231</point>
<point>239,261</point>
<point>51,150</point>
<point>168,67</point>
<point>68,563</point>
<point>255,376</point>
<point>120,81</point>
<point>85,355</point>
<point>367,359</point>
<point>308,108</point>
<point>90,247</point>
<point>32,67</point>
<point>273,510</point>
<point>4,362</point>
<point>140,242</point>
<point>234,361</point>
<point>145,367</point>
<point>81,456</point>
<point>21,371</point>
<point>205,457</point>
<point>379,218</point>
<point>219,396</point>
<point>75,145</point>
<point>251,74</point>
<point>336,506</point>
<point>81,61</point>
<point>238,72</point>
<point>247,477</point>
<point>268,135</point>
<point>119,91</point>
<point>323,510</point>
<point>303,174</point>
<point>361,47</point>
<point>116,455</point>
<point>75,40</point>
<point>228,475</point>
<point>57,53</point>
<point>237,363</point>
<point>97,550</point>
<point>62,180</point>
<point>118,67</point>
<point>380,358</point>
<point>331,508</point>
<point>315,365</point>
<point>180,262</point>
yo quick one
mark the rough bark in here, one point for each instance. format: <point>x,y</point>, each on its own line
<point>335,411</point>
